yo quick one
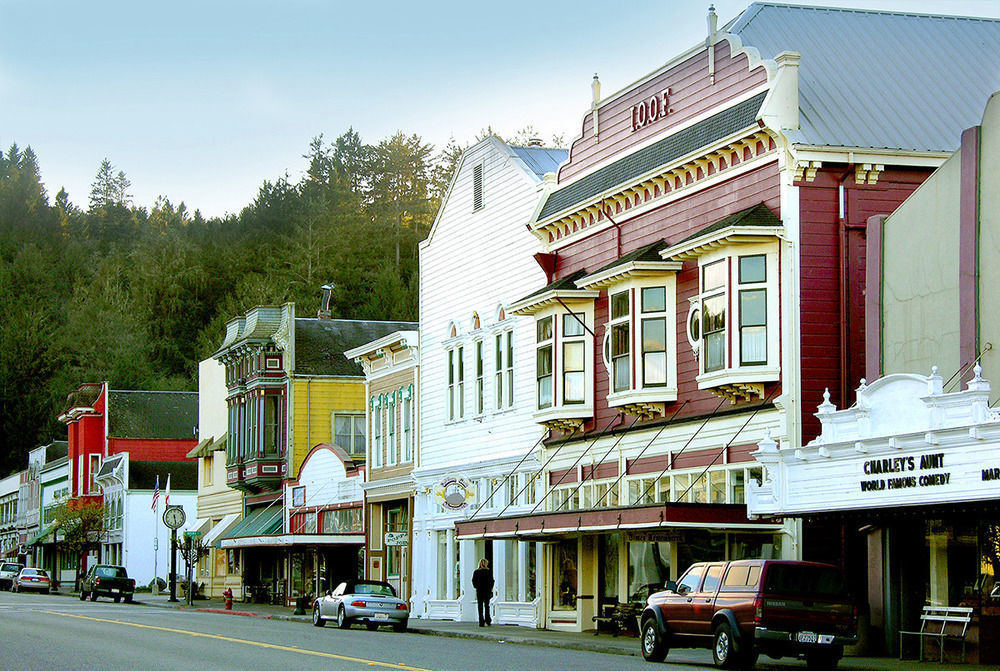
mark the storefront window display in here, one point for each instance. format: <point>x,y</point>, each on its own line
<point>956,564</point>
<point>698,545</point>
<point>565,561</point>
<point>510,566</point>
<point>302,573</point>
<point>648,568</point>
<point>608,545</point>
<point>443,564</point>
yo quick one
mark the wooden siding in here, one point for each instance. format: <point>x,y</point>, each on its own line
<point>140,449</point>
<point>832,272</point>
<point>673,221</point>
<point>385,385</point>
<point>691,93</point>
<point>473,263</point>
<point>315,400</point>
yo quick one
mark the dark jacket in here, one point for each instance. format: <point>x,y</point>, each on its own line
<point>482,581</point>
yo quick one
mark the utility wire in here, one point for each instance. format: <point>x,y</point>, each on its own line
<point>508,476</point>
<point>594,466</point>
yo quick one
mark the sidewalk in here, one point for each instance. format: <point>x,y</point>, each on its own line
<point>621,645</point>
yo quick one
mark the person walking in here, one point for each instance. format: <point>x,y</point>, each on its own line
<point>482,581</point>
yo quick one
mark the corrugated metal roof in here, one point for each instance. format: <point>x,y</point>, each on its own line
<point>876,79</point>
<point>541,160</point>
<point>183,475</point>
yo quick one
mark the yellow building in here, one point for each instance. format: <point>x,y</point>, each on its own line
<point>289,389</point>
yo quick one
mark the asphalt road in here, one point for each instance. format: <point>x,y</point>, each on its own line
<point>55,633</point>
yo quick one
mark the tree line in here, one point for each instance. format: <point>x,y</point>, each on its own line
<point>138,296</point>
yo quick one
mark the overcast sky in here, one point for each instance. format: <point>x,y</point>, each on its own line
<point>202,101</point>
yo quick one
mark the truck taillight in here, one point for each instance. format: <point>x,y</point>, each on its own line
<point>758,611</point>
<point>97,581</point>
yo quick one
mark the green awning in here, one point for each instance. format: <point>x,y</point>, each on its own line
<point>262,522</point>
<point>35,540</point>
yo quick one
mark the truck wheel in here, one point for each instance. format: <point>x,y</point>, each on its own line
<point>724,647</point>
<point>83,595</point>
<point>654,644</point>
<point>822,660</point>
<point>128,598</point>
<point>93,595</point>
<point>118,598</point>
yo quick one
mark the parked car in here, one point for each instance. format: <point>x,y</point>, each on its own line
<point>9,571</point>
<point>107,580</point>
<point>369,601</point>
<point>32,579</point>
<point>741,609</point>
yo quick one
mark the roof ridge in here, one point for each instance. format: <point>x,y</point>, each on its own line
<point>863,10</point>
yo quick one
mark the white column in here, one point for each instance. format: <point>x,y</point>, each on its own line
<point>523,549</point>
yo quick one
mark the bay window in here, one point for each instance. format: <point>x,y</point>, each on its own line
<point>733,318</point>
<point>543,361</point>
<point>574,359</point>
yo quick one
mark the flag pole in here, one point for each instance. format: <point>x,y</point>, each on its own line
<point>156,538</point>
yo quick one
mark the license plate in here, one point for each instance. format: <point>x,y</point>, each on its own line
<point>381,617</point>
<point>806,637</point>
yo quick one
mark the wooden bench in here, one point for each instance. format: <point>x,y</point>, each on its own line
<point>618,617</point>
<point>941,623</point>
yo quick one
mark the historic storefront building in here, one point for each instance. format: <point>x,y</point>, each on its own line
<point>476,455</point>
<point>910,471</point>
<point>391,366</point>
<point>703,252</point>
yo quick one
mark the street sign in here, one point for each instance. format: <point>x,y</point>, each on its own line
<point>191,534</point>
<point>393,538</point>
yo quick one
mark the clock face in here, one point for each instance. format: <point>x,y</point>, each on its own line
<point>174,517</point>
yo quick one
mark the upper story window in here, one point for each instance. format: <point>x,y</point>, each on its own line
<point>503,377</point>
<point>564,352</point>
<point>391,444</point>
<point>480,378</point>
<point>639,338</point>
<point>732,324</point>
<point>543,361</point>
<point>376,460</point>
<point>407,419</point>
<point>349,432</point>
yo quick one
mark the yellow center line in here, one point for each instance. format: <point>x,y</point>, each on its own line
<point>218,637</point>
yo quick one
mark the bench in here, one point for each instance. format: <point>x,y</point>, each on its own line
<point>619,618</point>
<point>941,623</point>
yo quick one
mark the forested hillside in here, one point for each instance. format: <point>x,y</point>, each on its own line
<point>135,296</point>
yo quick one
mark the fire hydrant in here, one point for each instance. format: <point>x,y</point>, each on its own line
<point>228,594</point>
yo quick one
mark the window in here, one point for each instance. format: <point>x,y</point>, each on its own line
<point>477,187</point>
<point>574,359</point>
<point>272,424</point>
<point>451,384</point>
<point>619,342</point>
<point>391,446</point>
<point>207,463</point>
<point>509,366</point>
<point>349,432</point>
<point>498,377</point>
<point>728,324</point>
<point>543,362</point>
<point>95,467</point>
<point>407,424</point>
<point>376,459</point>
<point>654,336</point>
<point>713,321</point>
<point>480,377</point>
<point>753,310</point>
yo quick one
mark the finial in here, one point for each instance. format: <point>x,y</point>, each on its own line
<point>978,370</point>
<point>934,370</point>
<point>826,396</point>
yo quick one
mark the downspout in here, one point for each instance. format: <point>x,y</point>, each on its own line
<point>842,205</point>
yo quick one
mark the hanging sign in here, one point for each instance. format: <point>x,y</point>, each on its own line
<point>395,538</point>
<point>454,493</point>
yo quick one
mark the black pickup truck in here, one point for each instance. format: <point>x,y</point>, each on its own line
<point>107,580</point>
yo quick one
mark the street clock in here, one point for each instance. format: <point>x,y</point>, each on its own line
<point>174,517</point>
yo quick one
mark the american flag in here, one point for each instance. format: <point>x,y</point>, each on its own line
<point>156,494</point>
<point>166,501</point>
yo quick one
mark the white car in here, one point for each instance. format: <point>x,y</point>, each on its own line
<point>369,601</point>
<point>9,571</point>
<point>32,579</point>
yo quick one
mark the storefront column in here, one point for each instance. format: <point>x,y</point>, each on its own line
<point>450,562</point>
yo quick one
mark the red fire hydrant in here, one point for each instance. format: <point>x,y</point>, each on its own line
<point>228,594</point>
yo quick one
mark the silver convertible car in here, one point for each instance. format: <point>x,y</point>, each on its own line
<point>370,601</point>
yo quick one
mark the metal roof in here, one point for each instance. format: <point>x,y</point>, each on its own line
<point>164,415</point>
<point>320,343</point>
<point>877,79</point>
<point>541,160</point>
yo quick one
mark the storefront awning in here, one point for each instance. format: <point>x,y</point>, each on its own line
<point>288,540</point>
<point>262,522</point>
<point>221,529</point>
<point>636,518</point>
<point>41,537</point>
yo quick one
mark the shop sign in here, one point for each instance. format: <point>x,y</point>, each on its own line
<point>905,472</point>
<point>395,538</point>
<point>454,493</point>
<point>653,109</point>
<point>672,536</point>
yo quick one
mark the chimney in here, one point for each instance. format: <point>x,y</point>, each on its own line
<point>324,302</point>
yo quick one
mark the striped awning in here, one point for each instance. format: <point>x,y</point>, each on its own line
<point>261,522</point>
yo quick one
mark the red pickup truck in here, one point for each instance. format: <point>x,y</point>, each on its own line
<point>741,609</point>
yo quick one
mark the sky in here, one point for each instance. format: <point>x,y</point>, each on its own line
<point>203,101</point>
